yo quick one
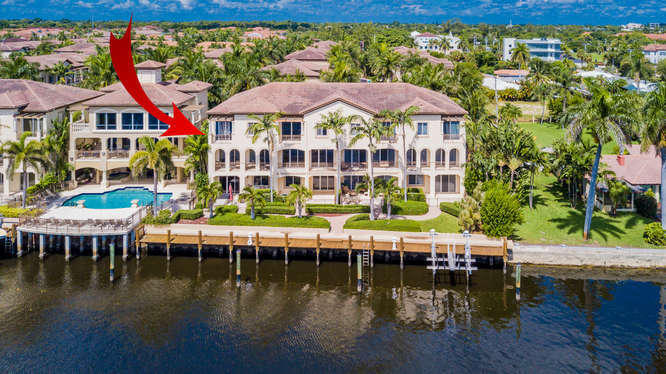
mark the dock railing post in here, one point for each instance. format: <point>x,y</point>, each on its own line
<point>359,273</point>
<point>168,245</point>
<point>349,251</point>
<point>199,246</point>
<point>318,245</point>
<point>286,248</point>
<point>231,247</point>
<point>256,246</point>
<point>402,253</point>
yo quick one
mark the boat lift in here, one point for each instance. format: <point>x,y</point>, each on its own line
<point>451,262</point>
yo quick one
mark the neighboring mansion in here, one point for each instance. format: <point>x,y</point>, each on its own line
<point>305,155</point>
<point>430,42</point>
<point>106,136</point>
<point>655,53</point>
<point>545,49</point>
<point>27,105</point>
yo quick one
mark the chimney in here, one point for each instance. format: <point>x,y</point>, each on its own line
<point>620,160</point>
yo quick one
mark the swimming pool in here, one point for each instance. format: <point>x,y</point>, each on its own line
<point>120,198</point>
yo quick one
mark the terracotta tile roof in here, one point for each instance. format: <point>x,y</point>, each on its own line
<point>656,36</point>
<point>291,67</point>
<point>150,65</point>
<point>193,86</point>
<point>49,61</point>
<point>217,53</point>
<point>85,48</point>
<point>427,35</point>
<point>405,51</point>
<point>654,47</point>
<point>511,73</point>
<point>639,168</point>
<point>310,53</point>
<point>324,45</point>
<point>298,98</point>
<point>171,61</point>
<point>40,97</point>
<point>159,94</point>
<point>18,46</point>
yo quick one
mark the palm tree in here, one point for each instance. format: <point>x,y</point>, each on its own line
<point>157,157</point>
<point>267,127</point>
<point>18,67</point>
<point>371,129</point>
<point>208,193</point>
<point>196,146</point>
<point>60,71</point>
<point>336,122</point>
<point>638,66</point>
<point>538,77</point>
<point>402,120</point>
<point>253,197</point>
<point>385,63</point>
<point>22,154</point>
<point>607,117</point>
<point>391,191</point>
<point>56,144</point>
<point>520,55</point>
<point>299,195</point>
<point>443,44</point>
<point>653,132</point>
<point>100,70</point>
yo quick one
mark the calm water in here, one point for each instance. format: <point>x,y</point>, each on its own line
<point>120,198</point>
<point>185,317</point>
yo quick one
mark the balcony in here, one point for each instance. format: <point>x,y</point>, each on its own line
<point>222,137</point>
<point>354,165</point>
<point>451,136</point>
<point>88,154</point>
<point>384,164</point>
<point>219,165</point>
<point>322,165</point>
<point>291,138</point>
<point>389,138</point>
<point>119,154</point>
<point>265,166</point>
<point>234,165</point>
<point>80,127</point>
<point>250,165</point>
<point>440,164</point>
<point>291,165</point>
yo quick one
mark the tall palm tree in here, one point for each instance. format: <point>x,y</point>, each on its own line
<point>21,155</point>
<point>156,157</point>
<point>443,45</point>
<point>402,119</point>
<point>100,70</point>
<point>385,63</point>
<point>607,117</point>
<point>391,192</point>
<point>17,67</point>
<point>299,195</point>
<point>253,197</point>
<point>208,193</point>
<point>267,127</point>
<point>60,71</point>
<point>653,132</point>
<point>372,130</point>
<point>56,144</point>
<point>196,146</point>
<point>520,55</point>
<point>336,122</point>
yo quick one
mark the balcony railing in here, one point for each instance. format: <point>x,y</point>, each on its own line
<point>80,127</point>
<point>119,154</point>
<point>264,166</point>
<point>384,164</point>
<point>292,164</point>
<point>390,139</point>
<point>291,138</point>
<point>222,137</point>
<point>234,165</point>
<point>250,165</point>
<point>219,165</point>
<point>440,164</point>
<point>321,165</point>
<point>354,165</point>
<point>88,154</point>
<point>451,136</point>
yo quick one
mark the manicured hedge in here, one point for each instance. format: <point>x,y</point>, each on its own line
<point>335,208</point>
<point>450,208</point>
<point>236,219</point>
<point>362,222</point>
<point>187,214</point>
<point>163,218</point>
<point>409,208</point>
<point>411,196</point>
<point>17,212</point>
<point>222,209</point>
<point>273,208</point>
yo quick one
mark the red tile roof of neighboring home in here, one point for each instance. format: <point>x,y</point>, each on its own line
<point>291,67</point>
<point>49,61</point>
<point>298,98</point>
<point>654,47</point>
<point>405,51</point>
<point>308,54</point>
<point>17,46</point>
<point>193,86</point>
<point>150,65</point>
<point>217,53</point>
<point>512,73</point>
<point>656,36</point>
<point>40,97</point>
<point>325,45</point>
<point>427,35</point>
<point>159,94</point>
<point>86,48</point>
<point>639,168</point>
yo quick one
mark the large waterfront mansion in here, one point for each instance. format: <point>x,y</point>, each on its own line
<point>306,155</point>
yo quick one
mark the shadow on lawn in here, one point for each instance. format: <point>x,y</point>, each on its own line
<point>602,225</point>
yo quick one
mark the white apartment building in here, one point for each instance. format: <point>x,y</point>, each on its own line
<point>429,42</point>
<point>545,49</point>
<point>106,136</point>
<point>27,105</point>
<point>306,155</point>
<point>655,52</point>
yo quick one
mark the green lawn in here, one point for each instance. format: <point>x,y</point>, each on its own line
<point>236,219</point>
<point>553,221</point>
<point>444,223</point>
<point>547,133</point>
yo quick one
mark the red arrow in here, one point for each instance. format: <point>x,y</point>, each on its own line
<point>121,56</point>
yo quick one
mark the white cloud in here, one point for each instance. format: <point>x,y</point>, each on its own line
<point>148,4</point>
<point>186,4</point>
<point>126,5</point>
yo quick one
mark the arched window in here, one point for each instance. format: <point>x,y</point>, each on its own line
<point>220,159</point>
<point>251,160</point>
<point>425,157</point>
<point>453,157</point>
<point>440,158</point>
<point>264,160</point>
<point>411,157</point>
<point>234,159</point>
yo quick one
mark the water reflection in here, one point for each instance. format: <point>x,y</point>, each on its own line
<point>300,316</point>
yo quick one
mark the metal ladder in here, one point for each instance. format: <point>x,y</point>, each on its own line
<point>366,257</point>
<point>8,245</point>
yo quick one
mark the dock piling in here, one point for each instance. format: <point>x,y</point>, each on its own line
<point>231,247</point>
<point>95,256</point>
<point>125,246</point>
<point>238,267</point>
<point>372,251</point>
<point>518,282</point>
<point>81,238</point>
<point>286,248</point>
<point>318,245</point>
<point>42,239</point>
<point>349,250</point>
<point>199,246</point>
<point>112,260</point>
<point>137,242</point>
<point>402,253</point>
<point>68,248</point>
<point>168,245</point>
<point>505,254</point>
<point>256,246</point>
<point>19,243</point>
<point>359,273</point>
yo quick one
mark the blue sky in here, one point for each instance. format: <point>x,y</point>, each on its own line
<point>472,11</point>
